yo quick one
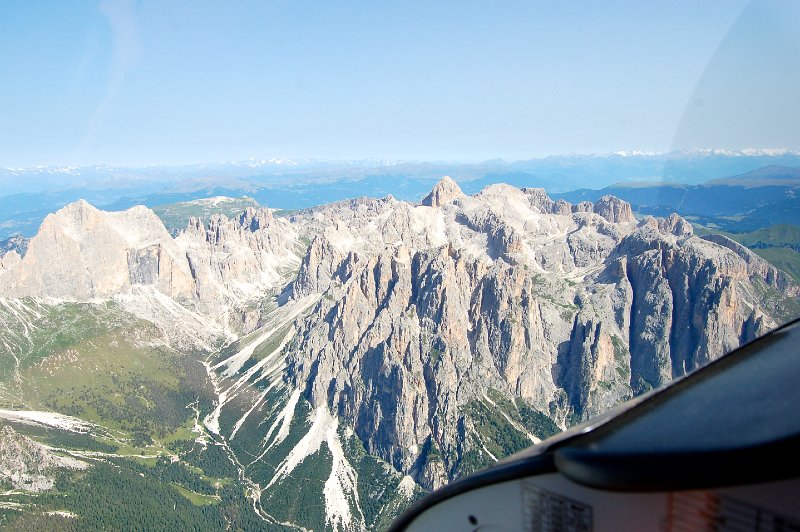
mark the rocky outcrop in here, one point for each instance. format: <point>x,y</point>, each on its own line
<point>756,266</point>
<point>323,266</point>
<point>233,261</point>
<point>443,193</point>
<point>28,465</point>
<point>584,206</point>
<point>611,208</point>
<point>540,200</point>
<point>83,253</point>
<point>253,219</point>
<point>614,210</point>
<point>673,225</point>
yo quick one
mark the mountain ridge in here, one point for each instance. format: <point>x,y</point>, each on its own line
<point>381,346</point>
<point>29,195</point>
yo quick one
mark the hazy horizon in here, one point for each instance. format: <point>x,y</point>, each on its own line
<point>388,161</point>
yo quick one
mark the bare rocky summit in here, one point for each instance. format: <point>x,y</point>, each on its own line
<point>443,193</point>
<point>82,253</point>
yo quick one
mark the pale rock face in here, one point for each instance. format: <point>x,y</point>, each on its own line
<point>83,253</point>
<point>322,266</point>
<point>534,298</point>
<point>238,260</point>
<point>755,265</point>
<point>614,210</point>
<point>584,206</point>
<point>29,465</point>
<point>540,202</point>
<point>562,207</point>
<point>443,193</point>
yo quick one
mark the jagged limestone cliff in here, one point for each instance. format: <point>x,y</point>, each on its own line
<point>375,345</point>
<point>81,253</point>
<point>570,308</point>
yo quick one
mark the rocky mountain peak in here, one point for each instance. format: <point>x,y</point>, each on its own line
<point>675,225</point>
<point>445,191</point>
<point>614,209</point>
<point>254,219</point>
<point>76,213</point>
<point>539,199</point>
<point>83,253</point>
<point>77,206</point>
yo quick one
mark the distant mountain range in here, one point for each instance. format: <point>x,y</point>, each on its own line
<point>28,195</point>
<point>744,202</point>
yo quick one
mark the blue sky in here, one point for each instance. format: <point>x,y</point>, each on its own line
<point>166,82</point>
